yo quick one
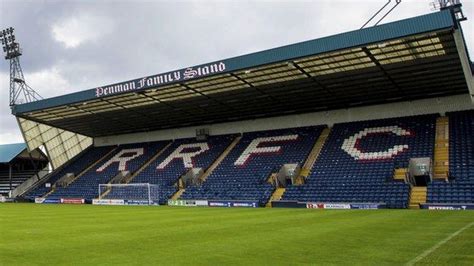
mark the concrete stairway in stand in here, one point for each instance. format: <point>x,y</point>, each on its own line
<point>441,152</point>
<point>277,194</point>
<point>417,196</point>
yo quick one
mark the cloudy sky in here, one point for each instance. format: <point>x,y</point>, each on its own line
<point>71,46</point>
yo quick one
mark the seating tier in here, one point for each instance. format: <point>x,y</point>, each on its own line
<point>86,186</point>
<point>175,161</point>
<point>358,160</point>
<point>243,173</point>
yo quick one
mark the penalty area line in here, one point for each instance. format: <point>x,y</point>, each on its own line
<point>437,245</point>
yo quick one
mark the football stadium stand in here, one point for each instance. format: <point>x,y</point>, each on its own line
<point>17,178</point>
<point>17,166</point>
<point>356,164</point>
<point>378,116</point>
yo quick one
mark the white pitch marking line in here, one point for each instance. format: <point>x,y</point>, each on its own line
<point>439,244</point>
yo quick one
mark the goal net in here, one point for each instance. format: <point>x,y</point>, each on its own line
<point>133,192</point>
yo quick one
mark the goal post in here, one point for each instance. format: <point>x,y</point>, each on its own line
<point>137,192</point>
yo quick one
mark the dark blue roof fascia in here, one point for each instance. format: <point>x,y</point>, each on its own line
<point>398,29</point>
<point>8,152</point>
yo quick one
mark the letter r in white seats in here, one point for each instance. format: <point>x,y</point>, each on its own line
<point>122,158</point>
<point>253,147</point>
<point>186,156</point>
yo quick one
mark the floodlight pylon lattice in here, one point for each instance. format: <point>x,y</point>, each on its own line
<point>20,92</point>
<point>454,5</point>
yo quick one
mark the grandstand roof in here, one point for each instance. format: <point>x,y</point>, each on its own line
<point>8,152</point>
<point>403,60</point>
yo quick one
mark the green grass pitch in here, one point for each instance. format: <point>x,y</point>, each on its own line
<point>36,234</point>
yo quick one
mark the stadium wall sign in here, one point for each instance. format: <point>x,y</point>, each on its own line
<point>288,204</point>
<point>181,203</point>
<point>140,202</point>
<point>223,203</point>
<point>72,201</point>
<point>162,79</point>
<point>39,200</point>
<point>108,202</point>
<point>201,203</point>
<point>368,206</point>
<point>187,203</point>
<point>122,202</point>
<point>60,201</point>
<point>51,201</point>
<point>322,205</point>
<point>336,206</point>
<point>447,207</point>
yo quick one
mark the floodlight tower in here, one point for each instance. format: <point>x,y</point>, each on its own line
<point>454,5</point>
<point>20,92</point>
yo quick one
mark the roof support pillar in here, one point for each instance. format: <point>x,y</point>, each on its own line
<point>465,62</point>
<point>35,168</point>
